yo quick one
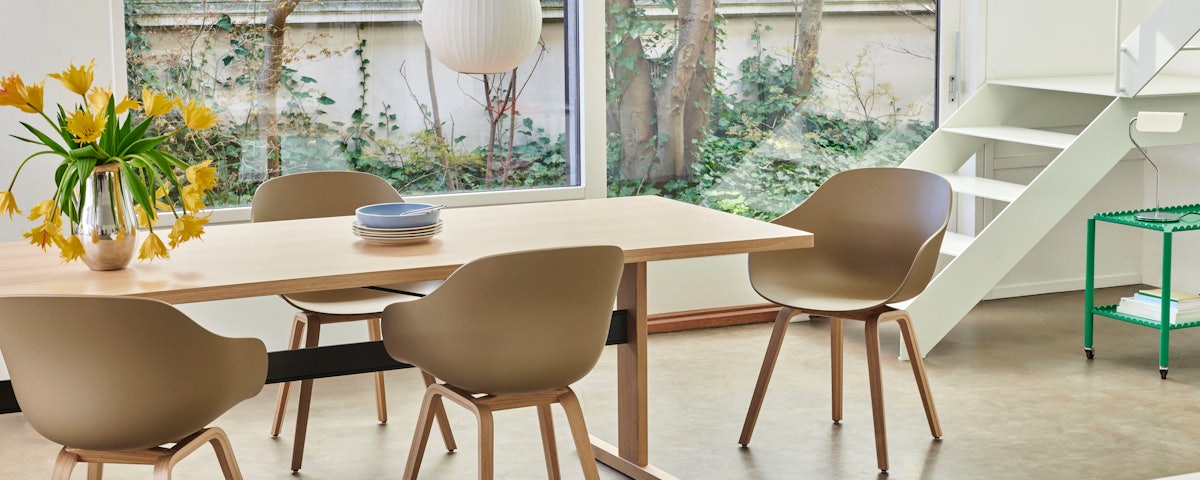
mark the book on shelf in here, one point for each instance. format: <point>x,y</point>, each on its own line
<point>1152,312</point>
<point>1176,295</point>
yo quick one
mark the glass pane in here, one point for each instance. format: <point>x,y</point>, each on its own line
<point>748,105</point>
<point>349,85</point>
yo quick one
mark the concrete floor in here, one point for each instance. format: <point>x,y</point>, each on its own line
<point>1016,397</point>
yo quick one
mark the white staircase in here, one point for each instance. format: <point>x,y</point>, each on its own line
<point>1084,119</point>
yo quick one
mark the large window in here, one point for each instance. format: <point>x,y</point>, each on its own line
<point>303,85</point>
<point>749,105</point>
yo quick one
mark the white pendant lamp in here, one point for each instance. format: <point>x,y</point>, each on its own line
<point>481,36</point>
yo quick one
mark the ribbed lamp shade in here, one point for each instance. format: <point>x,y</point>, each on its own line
<point>481,36</point>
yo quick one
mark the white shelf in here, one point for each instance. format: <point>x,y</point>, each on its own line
<point>953,244</point>
<point>1162,85</point>
<point>1028,136</point>
<point>985,187</point>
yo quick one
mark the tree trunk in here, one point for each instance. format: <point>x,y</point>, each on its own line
<point>695,24</point>
<point>699,102</point>
<point>275,28</point>
<point>634,102</point>
<point>804,58</point>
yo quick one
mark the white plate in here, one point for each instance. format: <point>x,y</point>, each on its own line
<point>396,241</point>
<point>359,227</point>
<point>428,233</point>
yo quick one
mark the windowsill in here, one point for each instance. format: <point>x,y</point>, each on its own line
<point>450,200</point>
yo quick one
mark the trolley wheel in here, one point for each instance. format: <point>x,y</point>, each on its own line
<point>1090,352</point>
<point>1163,372</point>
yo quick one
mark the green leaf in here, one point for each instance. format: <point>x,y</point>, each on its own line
<point>308,80</point>
<point>133,136</point>
<point>145,144</point>
<point>45,140</point>
<point>325,100</point>
<point>224,23</point>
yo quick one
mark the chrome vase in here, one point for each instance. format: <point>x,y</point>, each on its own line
<point>107,222</point>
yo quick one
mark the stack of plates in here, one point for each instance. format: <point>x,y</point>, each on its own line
<point>397,236</point>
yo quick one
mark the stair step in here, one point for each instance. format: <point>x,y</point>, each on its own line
<point>1028,136</point>
<point>953,244</point>
<point>985,187</point>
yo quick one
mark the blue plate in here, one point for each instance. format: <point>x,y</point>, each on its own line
<point>391,215</point>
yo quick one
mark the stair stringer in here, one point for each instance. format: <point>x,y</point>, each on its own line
<point>1025,221</point>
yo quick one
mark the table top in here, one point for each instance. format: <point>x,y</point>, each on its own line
<point>1129,217</point>
<point>256,259</point>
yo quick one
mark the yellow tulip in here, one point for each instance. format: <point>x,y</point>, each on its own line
<point>198,117</point>
<point>70,248</point>
<point>44,209</point>
<point>85,126</point>
<point>77,79</point>
<point>192,196</point>
<point>8,204</point>
<point>44,234</point>
<point>144,221</point>
<point>14,93</point>
<point>186,228</point>
<point>152,248</point>
<point>156,104</point>
<point>98,101</point>
<point>202,174</point>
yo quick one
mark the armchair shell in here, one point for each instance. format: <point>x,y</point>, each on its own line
<point>514,323</point>
<point>117,373</point>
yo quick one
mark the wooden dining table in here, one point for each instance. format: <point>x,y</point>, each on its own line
<point>259,259</point>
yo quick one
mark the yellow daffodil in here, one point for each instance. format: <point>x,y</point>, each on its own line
<point>70,249</point>
<point>44,234</point>
<point>8,204</point>
<point>197,116</point>
<point>85,126</point>
<point>77,79</point>
<point>192,196</point>
<point>152,248</point>
<point>98,101</point>
<point>186,228</point>
<point>45,209</point>
<point>203,175</point>
<point>14,93</point>
<point>155,103</point>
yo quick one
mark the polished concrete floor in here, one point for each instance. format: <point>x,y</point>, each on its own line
<point>1016,397</point>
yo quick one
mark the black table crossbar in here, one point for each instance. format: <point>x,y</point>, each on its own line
<point>329,361</point>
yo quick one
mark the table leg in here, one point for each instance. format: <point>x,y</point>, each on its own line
<point>1089,299</point>
<point>1164,332</point>
<point>631,455</point>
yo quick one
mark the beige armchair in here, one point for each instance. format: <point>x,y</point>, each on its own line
<point>329,194</point>
<point>509,331</point>
<point>112,379</point>
<point>878,232</point>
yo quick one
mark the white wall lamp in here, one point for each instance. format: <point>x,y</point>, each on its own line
<point>481,36</point>
<point>1159,122</point>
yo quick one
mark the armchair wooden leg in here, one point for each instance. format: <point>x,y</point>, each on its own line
<point>546,422</point>
<point>64,465</point>
<point>836,344</point>
<point>439,411</point>
<point>421,437</point>
<point>487,447</point>
<point>225,457</point>
<point>285,387</point>
<point>876,380</point>
<point>376,333</point>
<point>764,375</point>
<point>95,471</point>
<point>312,336</point>
<point>583,445</point>
<point>918,367</point>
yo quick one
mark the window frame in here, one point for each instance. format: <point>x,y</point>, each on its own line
<point>584,49</point>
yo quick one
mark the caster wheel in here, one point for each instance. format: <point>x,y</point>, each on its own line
<point>1163,373</point>
<point>1090,352</point>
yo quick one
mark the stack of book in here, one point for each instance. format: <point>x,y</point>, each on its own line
<point>1147,304</point>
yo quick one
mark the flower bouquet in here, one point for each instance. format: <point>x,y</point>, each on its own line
<point>101,138</point>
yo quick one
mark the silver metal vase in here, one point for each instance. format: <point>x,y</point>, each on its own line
<point>107,223</point>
